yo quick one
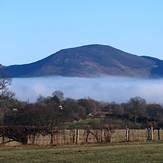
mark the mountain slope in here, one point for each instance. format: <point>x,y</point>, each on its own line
<point>87,61</point>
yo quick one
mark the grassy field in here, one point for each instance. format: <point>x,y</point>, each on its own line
<point>120,153</point>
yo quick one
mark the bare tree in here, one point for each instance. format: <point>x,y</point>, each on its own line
<point>6,96</point>
<point>137,105</point>
<point>4,87</point>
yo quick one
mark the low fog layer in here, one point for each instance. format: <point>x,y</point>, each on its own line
<point>109,89</point>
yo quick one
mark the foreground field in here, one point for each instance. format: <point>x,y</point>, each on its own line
<point>120,153</point>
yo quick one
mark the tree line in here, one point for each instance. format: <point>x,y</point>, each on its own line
<point>56,111</point>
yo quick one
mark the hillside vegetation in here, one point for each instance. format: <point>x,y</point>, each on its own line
<point>88,61</point>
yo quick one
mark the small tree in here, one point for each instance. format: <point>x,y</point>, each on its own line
<point>58,94</point>
<point>4,86</point>
<point>137,106</point>
<point>6,96</point>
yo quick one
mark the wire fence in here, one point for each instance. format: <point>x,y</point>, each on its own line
<point>44,136</point>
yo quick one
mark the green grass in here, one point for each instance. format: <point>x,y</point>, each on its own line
<point>120,153</point>
<point>82,123</point>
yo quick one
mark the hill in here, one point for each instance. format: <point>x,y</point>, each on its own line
<point>89,61</point>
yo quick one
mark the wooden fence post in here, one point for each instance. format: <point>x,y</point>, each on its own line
<point>159,134</point>
<point>148,134</point>
<point>33,138</point>
<point>152,133</point>
<point>51,137</point>
<point>101,135</point>
<point>127,134</point>
<point>77,136</point>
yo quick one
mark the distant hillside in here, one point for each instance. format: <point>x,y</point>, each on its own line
<point>89,61</point>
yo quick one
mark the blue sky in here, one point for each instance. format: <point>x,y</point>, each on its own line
<point>33,29</point>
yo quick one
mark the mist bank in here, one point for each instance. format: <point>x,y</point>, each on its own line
<point>108,89</point>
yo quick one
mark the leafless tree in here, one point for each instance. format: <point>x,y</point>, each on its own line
<point>4,88</point>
